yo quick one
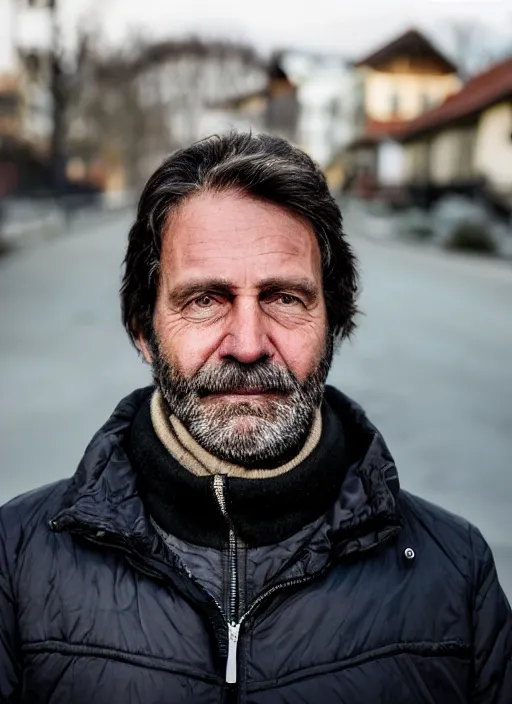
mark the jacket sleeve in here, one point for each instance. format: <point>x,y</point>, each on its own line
<point>9,658</point>
<point>492,631</point>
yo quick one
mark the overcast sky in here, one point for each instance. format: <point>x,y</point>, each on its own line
<point>351,28</point>
<point>348,27</point>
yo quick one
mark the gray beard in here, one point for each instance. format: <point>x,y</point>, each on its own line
<point>273,431</point>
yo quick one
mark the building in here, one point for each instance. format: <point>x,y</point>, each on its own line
<point>465,144</point>
<point>393,86</point>
<point>25,97</point>
<point>184,84</point>
<point>11,108</point>
<point>324,84</point>
<point>273,107</point>
<point>305,97</point>
<point>25,67</point>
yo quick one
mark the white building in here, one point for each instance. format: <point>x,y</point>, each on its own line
<point>182,84</point>
<point>25,40</point>
<point>7,45</point>
<point>325,94</point>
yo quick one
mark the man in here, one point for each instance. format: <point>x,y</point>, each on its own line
<point>237,532</point>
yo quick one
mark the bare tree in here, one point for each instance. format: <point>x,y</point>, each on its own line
<point>109,121</point>
<point>131,108</point>
<point>475,46</point>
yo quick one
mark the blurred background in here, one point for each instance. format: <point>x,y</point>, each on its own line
<point>406,106</point>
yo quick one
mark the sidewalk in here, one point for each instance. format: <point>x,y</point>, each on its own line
<point>407,229</point>
<point>31,223</point>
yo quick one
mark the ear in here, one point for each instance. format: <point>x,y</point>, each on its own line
<point>143,348</point>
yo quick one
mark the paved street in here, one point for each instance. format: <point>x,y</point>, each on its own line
<point>432,364</point>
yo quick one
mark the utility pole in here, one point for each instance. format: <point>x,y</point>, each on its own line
<point>59,102</point>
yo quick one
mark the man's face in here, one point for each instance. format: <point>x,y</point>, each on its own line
<point>240,348</point>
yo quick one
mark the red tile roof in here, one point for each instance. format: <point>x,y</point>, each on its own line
<point>376,131</point>
<point>479,93</point>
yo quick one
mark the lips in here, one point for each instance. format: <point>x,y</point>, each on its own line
<point>245,393</point>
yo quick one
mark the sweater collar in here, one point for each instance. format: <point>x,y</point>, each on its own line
<point>181,445</point>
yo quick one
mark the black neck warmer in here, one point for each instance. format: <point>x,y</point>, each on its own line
<point>263,511</point>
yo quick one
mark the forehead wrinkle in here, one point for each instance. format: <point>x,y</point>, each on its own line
<point>226,233</point>
<point>284,240</point>
<point>262,221</point>
<point>215,241</point>
<point>211,249</point>
<point>204,258</point>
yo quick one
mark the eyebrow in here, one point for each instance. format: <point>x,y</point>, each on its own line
<point>181,294</point>
<point>303,286</point>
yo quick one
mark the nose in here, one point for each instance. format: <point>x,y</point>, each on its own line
<point>246,339</point>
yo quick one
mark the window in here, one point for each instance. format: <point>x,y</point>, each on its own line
<point>334,109</point>
<point>465,151</point>
<point>9,103</point>
<point>394,103</point>
<point>425,102</point>
<point>33,64</point>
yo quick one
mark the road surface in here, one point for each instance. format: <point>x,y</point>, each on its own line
<point>431,363</point>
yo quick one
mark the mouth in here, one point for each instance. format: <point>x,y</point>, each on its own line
<point>240,394</point>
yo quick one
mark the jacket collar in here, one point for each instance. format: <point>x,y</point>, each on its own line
<point>263,511</point>
<point>103,497</point>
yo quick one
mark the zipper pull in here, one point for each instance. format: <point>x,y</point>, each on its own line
<point>233,634</point>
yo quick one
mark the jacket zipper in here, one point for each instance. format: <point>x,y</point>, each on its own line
<point>235,623</point>
<point>233,626</point>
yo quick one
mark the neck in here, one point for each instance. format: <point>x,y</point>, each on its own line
<point>182,446</point>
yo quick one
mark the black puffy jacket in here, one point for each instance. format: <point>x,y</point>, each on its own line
<point>391,601</point>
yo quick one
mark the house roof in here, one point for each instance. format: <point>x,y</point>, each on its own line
<point>193,46</point>
<point>274,72</point>
<point>376,131</point>
<point>481,92</point>
<point>412,43</point>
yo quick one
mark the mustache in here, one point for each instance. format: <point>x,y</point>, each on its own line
<point>234,376</point>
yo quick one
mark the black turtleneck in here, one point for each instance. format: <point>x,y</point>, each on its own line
<point>263,511</point>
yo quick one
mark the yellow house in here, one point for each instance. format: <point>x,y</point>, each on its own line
<point>466,143</point>
<point>405,78</point>
<point>395,84</point>
<point>493,147</point>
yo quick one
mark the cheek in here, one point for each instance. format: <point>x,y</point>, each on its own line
<point>301,349</point>
<point>187,346</point>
